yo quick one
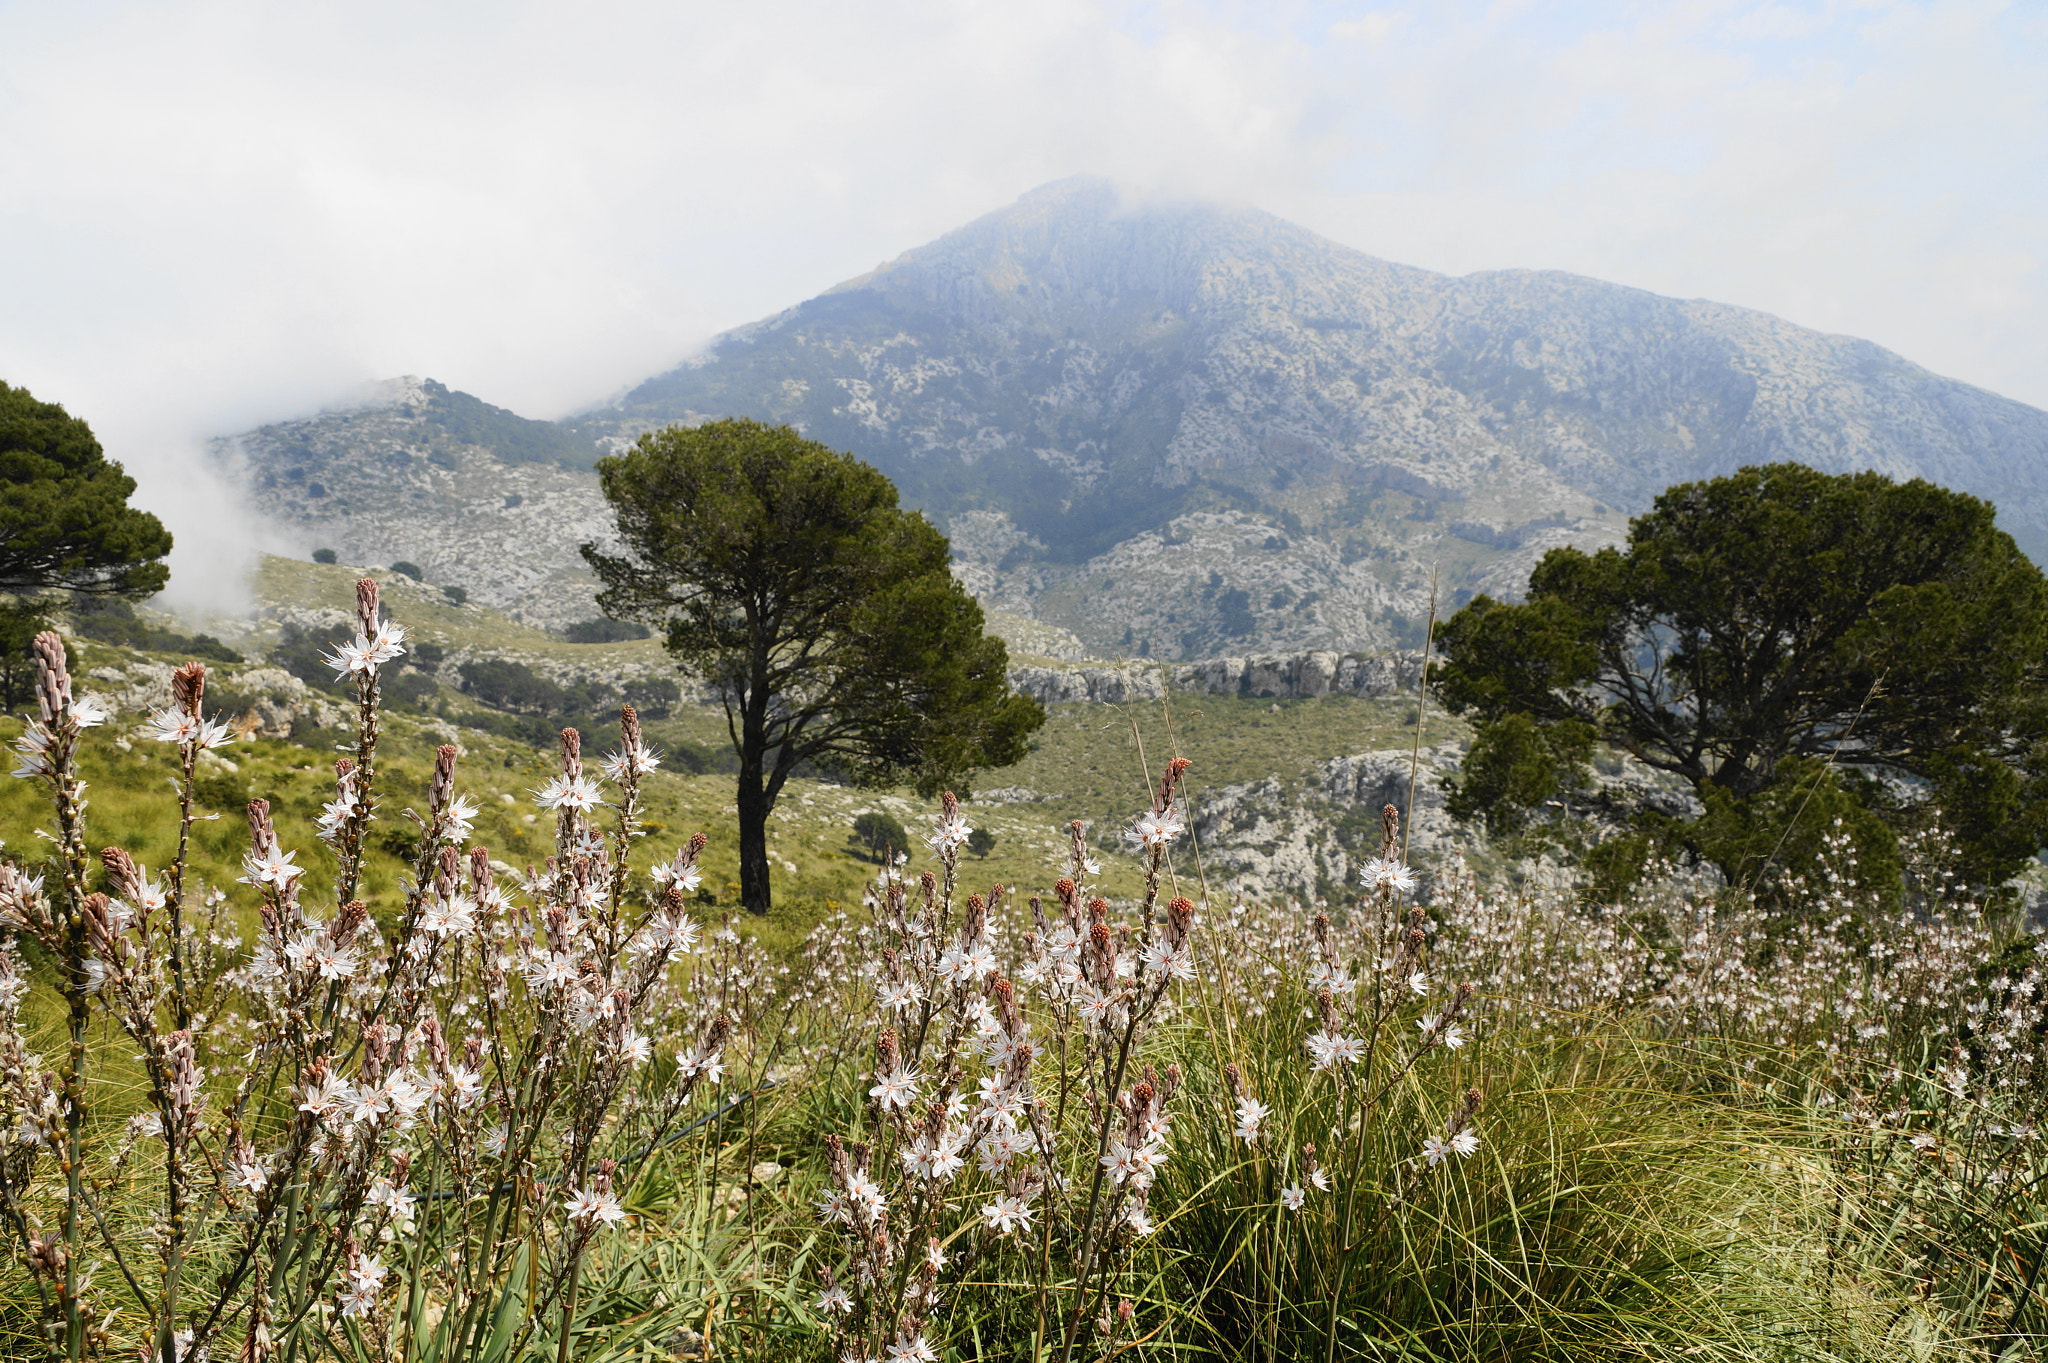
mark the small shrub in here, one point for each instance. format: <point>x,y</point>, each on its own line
<point>410,689</point>
<point>325,556</point>
<point>510,685</point>
<point>653,697</point>
<point>878,833</point>
<point>981,842</point>
<point>605,632</point>
<point>307,733</point>
<point>411,570</point>
<point>700,759</point>
<point>220,792</point>
<point>110,620</point>
<point>300,652</point>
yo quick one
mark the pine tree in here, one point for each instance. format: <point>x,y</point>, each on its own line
<point>785,574</point>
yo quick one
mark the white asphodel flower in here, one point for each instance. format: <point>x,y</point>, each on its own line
<point>1390,872</point>
<point>1006,1214</point>
<point>637,760</point>
<point>898,1088</point>
<point>1152,831</point>
<point>1328,1050</point>
<point>949,834</point>
<point>274,867</point>
<point>88,711</point>
<point>589,1205</point>
<point>175,725</point>
<point>363,656</point>
<point>578,792</point>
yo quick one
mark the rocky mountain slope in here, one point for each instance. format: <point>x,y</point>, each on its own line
<point>480,499</point>
<point>1178,430</point>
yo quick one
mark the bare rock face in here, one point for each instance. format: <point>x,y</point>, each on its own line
<point>1312,841</point>
<point>1263,676</point>
<point>263,700</point>
<point>1413,783</point>
<point>410,473</point>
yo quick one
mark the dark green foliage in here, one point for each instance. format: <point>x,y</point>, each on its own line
<point>21,619</point>
<point>65,522</point>
<point>605,631</point>
<point>411,570</point>
<point>1236,608</point>
<point>307,733</point>
<point>110,620</point>
<point>878,834</point>
<point>700,759</point>
<point>325,556</point>
<point>457,596</point>
<point>513,686</point>
<point>537,730</point>
<point>653,697</point>
<point>1795,646</point>
<point>219,792</point>
<point>981,842</point>
<point>299,652</point>
<point>409,689</point>
<point>785,574</point>
<point>515,439</point>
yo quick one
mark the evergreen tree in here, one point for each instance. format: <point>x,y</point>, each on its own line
<point>879,834</point>
<point>785,574</point>
<point>65,522</point>
<point>1795,646</point>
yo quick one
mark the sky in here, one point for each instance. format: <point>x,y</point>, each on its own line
<point>223,212</point>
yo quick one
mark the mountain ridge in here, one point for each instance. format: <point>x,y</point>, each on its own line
<point>1182,430</point>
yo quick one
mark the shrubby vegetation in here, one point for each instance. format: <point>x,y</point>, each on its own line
<point>110,620</point>
<point>605,632</point>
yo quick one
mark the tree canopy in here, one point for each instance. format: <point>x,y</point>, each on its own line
<point>785,574</point>
<point>1795,646</point>
<point>65,522</point>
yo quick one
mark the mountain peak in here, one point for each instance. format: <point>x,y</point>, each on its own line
<point>1090,378</point>
<point>1193,429</point>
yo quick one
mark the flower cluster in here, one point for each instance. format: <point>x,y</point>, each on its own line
<point>954,1104</point>
<point>499,1030</point>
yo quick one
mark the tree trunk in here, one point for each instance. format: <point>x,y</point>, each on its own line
<point>754,804</point>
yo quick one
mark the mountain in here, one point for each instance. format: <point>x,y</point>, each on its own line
<point>1186,430</point>
<point>413,471</point>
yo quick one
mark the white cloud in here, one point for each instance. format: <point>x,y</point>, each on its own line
<point>223,210</point>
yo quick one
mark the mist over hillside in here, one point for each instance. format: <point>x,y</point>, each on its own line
<point>1183,430</point>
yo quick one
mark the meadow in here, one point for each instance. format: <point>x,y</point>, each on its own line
<point>510,1079</point>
